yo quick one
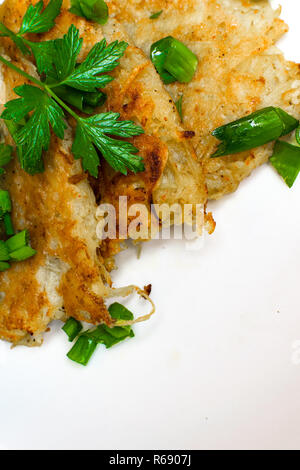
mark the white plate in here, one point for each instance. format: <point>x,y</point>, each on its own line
<point>219,364</point>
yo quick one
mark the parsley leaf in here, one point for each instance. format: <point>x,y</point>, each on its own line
<point>5,32</point>
<point>43,53</point>
<point>92,132</point>
<point>66,51</point>
<point>65,81</point>
<point>57,59</point>
<point>34,136</point>
<point>36,21</point>
<point>101,59</point>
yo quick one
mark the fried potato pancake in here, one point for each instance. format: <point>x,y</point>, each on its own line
<point>66,277</point>
<point>172,174</point>
<point>239,70</point>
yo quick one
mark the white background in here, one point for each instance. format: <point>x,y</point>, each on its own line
<point>215,368</point>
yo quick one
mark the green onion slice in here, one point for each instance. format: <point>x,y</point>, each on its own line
<point>286,160</point>
<point>22,254</point>
<point>173,60</point>
<point>4,254</point>
<point>297,135</point>
<point>102,334</point>
<point>84,101</point>
<point>5,154</point>
<point>181,62</point>
<point>72,328</point>
<point>8,225</point>
<point>253,130</point>
<point>94,10</point>
<point>5,202</point>
<point>119,312</point>
<point>4,266</point>
<point>82,350</point>
<point>156,15</point>
<point>158,54</point>
<point>20,240</point>
<point>178,105</point>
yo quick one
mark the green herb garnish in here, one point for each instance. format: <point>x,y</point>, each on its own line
<point>87,342</point>
<point>156,15</point>
<point>22,254</point>
<point>4,253</point>
<point>178,105</point>
<point>37,21</point>
<point>5,210</point>
<point>4,266</point>
<point>34,136</point>
<point>57,63</point>
<point>5,156</point>
<point>94,10</point>
<point>297,135</point>
<point>286,160</point>
<point>8,225</point>
<point>34,21</point>
<point>84,101</point>
<point>173,60</point>
<point>18,241</point>
<point>252,131</point>
<point>72,328</point>
<point>5,200</point>
<point>17,247</point>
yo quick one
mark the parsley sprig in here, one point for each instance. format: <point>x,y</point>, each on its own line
<point>34,21</point>
<point>41,107</point>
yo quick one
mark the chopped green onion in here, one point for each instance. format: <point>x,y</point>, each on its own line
<point>109,337</point>
<point>72,328</point>
<point>286,160</point>
<point>158,53</point>
<point>156,15</point>
<point>5,154</point>
<point>94,10</point>
<point>84,101</point>
<point>82,350</point>
<point>4,254</point>
<point>5,202</point>
<point>181,62</point>
<point>102,334</point>
<point>4,266</point>
<point>119,312</point>
<point>178,105</point>
<point>253,130</point>
<point>8,225</point>
<point>18,241</point>
<point>297,135</point>
<point>22,254</point>
<point>173,60</point>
